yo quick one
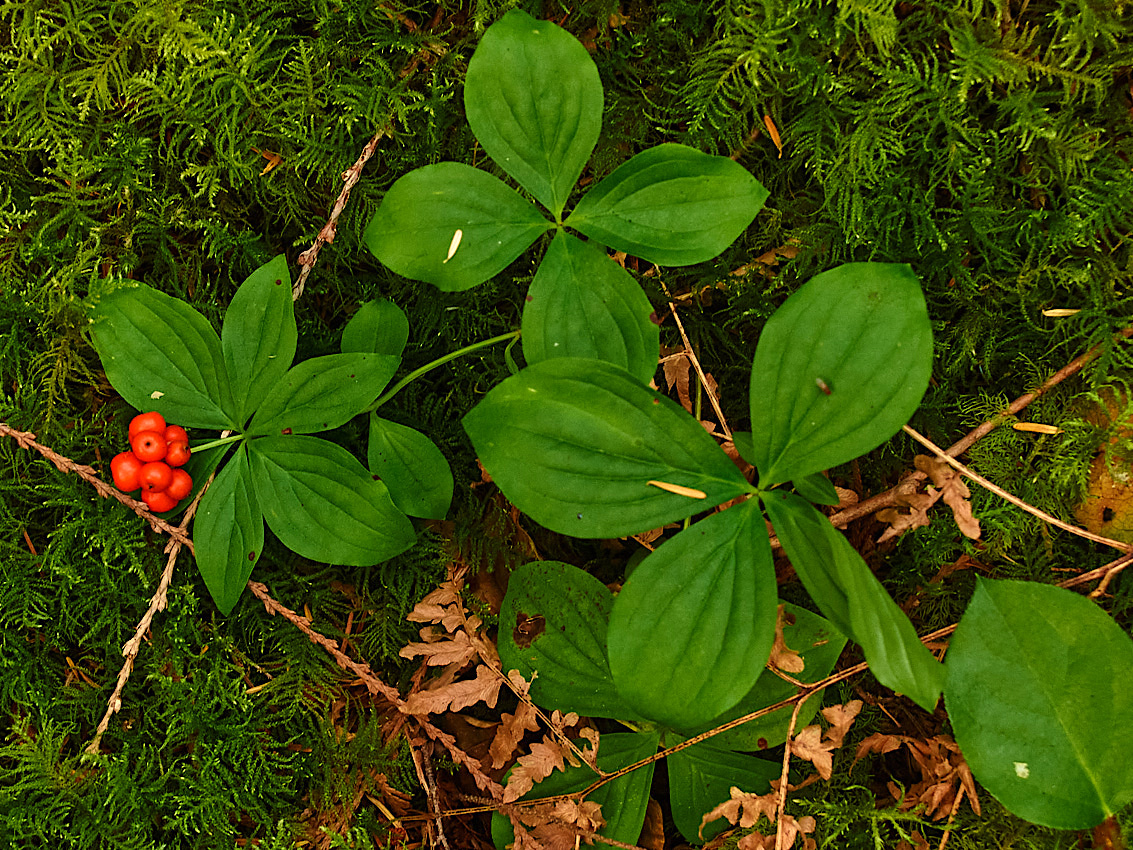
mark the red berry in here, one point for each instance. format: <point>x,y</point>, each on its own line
<point>178,454</point>
<point>175,434</point>
<point>125,467</point>
<point>180,485</point>
<point>152,421</point>
<point>159,502</point>
<point>148,446</point>
<point>155,476</point>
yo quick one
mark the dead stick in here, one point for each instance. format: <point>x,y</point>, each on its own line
<point>781,797</point>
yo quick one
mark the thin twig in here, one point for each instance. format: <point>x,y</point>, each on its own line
<point>133,646</point>
<point>909,484</point>
<point>781,798</point>
<point>1015,500</point>
<point>350,178</point>
<point>695,362</point>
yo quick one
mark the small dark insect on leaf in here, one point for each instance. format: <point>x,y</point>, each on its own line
<point>821,384</point>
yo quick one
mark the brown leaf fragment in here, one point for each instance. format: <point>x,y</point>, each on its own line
<point>457,695</point>
<point>841,718</point>
<point>901,522</point>
<point>457,650</point>
<point>954,491</point>
<point>554,826</point>
<point>808,745</point>
<point>792,829</point>
<point>546,756</point>
<point>944,773</point>
<point>653,830</point>
<point>782,656</point>
<point>742,809</point>
<point>676,367</point>
<point>512,729</point>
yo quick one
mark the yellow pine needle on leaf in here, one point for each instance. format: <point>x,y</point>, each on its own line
<point>678,489</point>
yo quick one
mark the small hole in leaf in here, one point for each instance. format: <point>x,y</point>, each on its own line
<point>761,743</point>
<point>278,281</point>
<point>251,556</point>
<point>1107,515</point>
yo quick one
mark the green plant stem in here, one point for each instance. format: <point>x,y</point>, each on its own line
<point>222,441</point>
<point>440,361</point>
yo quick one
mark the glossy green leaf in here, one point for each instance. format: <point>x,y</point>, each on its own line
<point>1040,694</point>
<point>259,336</point>
<point>323,504</point>
<point>415,229</point>
<point>379,327</point>
<point>161,354</point>
<point>692,628</point>
<point>623,801</point>
<point>553,623</point>
<point>820,645</point>
<point>860,331</point>
<point>574,444</point>
<point>671,205</point>
<point>852,598</point>
<point>228,532</point>
<point>817,488</point>
<point>702,776</point>
<point>323,393</point>
<point>417,474</point>
<point>534,101</point>
<point>583,304</point>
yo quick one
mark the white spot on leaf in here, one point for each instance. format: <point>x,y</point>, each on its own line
<point>456,237</point>
<point>156,394</point>
<point>1022,770</point>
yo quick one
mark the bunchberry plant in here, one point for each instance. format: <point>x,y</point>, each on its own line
<point>585,449</point>
<point>319,500</point>
<point>534,102</point>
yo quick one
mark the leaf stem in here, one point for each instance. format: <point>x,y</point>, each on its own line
<point>222,441</point>
<point>440,361</point>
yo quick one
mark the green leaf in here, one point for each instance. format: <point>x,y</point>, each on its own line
<point>862,332</point>
<point>553,622</point>
<point>414,230</point>
<point>323,393</point>
<point>692,628</point>
<point>574,444</point>
<point>533,98</point>
<point>819,644</point>
<point>701,777</point>
<point>852,598</point>
<point>583,304</point>
<point>323,504</point>
<point>258,337</point>
<point>671,205</point>
<point>228,533</point>
<point>1038,691</point>
<point>161,354</point>
<point>379,327</point>
<point>412,467</point>
<point>623,801</point>
<point>817,488</point>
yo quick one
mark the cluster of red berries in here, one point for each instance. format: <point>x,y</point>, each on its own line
<point>153,463</point>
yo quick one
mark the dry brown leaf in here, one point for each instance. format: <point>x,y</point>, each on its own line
<point>808,745</point>
<point>841,718</point>
<point>676,368</point>
<point>554,826</point>
<point>653,830</point>
<point>512,729</point>
<point>742,809</point>
<point>782,656</point>
<point>943,772</point>
<point>791,830</point>
<point>457,650</point>
<point>546,756</point>
<point>916,518</point>
<point>954,491</point>
<point>457,695</point>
